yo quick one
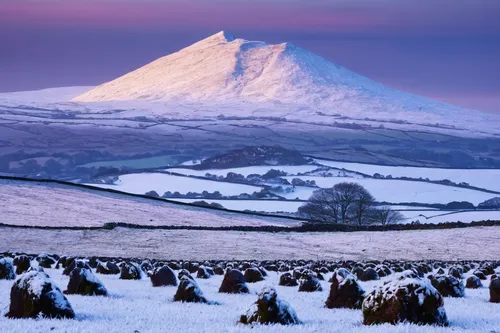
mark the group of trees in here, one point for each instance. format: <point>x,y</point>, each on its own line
<point>347,203</point>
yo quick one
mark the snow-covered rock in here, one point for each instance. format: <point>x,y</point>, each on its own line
<point>495,289</point>
<point>189,291</point>
<point>22,263</point>
<point>130,271</point>
<point>163,276</point>
<point>34,294</point>
<point>7,269</point>
<point>287,280</point>
<point>83,282</point>
<point>448,286</point>
<point>412,300</point>
<point>234,283</point>
<point>270,309</point>
<point>473,282</point>
<point>345,292</point>
<point>253,274</point>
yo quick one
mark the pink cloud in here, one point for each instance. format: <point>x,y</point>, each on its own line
<point>389,17</point>
<point>226,15</point>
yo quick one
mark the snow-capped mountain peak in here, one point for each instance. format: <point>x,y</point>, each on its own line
<point>223,69</point>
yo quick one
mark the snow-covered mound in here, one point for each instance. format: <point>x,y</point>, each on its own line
<point>224,68</point>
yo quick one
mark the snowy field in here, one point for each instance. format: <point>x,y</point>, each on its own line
<point>482,178</point>
<point>141,183</point>
<point>474,243</point>
<point>136,306</point>
<point>396,191</point>
<point>449,216</point>
<point>38,204</point>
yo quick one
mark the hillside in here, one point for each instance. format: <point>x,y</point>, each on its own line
<point>59,205</point>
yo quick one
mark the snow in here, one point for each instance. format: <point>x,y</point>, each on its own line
<point>236,71</point>
<point>41,204</point>
<point>137,306</point>
<point>35,280</point>
<point>482,178</point>
<point>449,216</point>
<point>141,183</point>
<point>471,243</point>
<point>400,191</point>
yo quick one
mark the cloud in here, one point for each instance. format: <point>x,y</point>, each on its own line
<point>450,17</point>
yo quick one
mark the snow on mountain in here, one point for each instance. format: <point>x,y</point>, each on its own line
<point>223,68</point>
<point>223,77</point>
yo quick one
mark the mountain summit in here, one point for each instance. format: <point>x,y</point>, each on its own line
<point>222,67</point>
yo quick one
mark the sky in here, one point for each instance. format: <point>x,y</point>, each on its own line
<point>443,49</point>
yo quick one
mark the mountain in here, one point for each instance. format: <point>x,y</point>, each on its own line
<point>224,68</point>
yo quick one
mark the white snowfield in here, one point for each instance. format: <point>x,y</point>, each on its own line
<point>482,178</point>
<point>39,204</point>
<point>141,183</point>
<point>473,243</point>
<point>136,306</point>
<point>399,191</point>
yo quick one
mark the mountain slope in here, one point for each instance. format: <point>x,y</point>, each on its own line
<point>224,68</point>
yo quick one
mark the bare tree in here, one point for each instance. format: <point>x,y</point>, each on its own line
<point>344,203</point>
<point>385,215</point>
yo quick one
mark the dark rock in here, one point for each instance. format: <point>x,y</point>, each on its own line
<point>495,289</point>
<point>83,282</point>
<point>174,265</point>
<point>218,270</point>
<point>7,269</point>
<point>270,309</point>
<point>163,276</point>
<point>287,280</point>
<point>234,283</point>
<point>473,282</point>
<point>448,286</point>
<point>253,275</point>
<point>369,274</point>
<point>22,263</point>
<point>480,275</point>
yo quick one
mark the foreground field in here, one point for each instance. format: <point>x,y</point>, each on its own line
<point>474,243</point>
<point>40,204</point>
<point>135,306</point>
